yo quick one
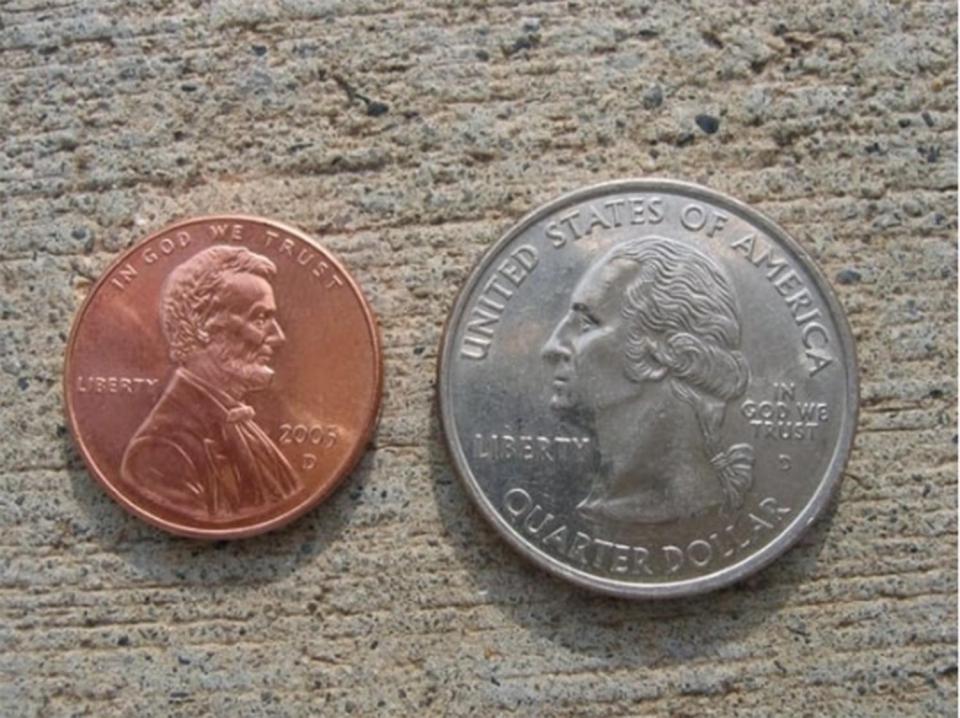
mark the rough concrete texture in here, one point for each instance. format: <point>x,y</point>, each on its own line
<point>408,137</point>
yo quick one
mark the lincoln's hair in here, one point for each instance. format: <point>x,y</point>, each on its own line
<point>191,297</point>
<point>683,326</point>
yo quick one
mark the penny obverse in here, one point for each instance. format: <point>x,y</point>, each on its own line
<point>223,376</point>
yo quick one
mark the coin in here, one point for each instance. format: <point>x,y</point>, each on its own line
<point>223,376</point>
<point>648,388</point>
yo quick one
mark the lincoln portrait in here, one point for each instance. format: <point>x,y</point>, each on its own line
<point>648,355</point>
<point>200,450</point>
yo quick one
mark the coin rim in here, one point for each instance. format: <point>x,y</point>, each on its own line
<point>827,486</point>
<point>371,420</point>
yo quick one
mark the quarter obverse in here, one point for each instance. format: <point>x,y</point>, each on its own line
<point>648,388</point>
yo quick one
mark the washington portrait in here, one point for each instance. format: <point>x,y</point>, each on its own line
<point>648,354</point>
<point>200,451</point>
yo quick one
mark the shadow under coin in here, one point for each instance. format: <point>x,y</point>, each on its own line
<point>621,632</point>
<point>159,557</point>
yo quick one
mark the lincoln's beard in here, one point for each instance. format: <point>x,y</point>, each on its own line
<point>246,366</point>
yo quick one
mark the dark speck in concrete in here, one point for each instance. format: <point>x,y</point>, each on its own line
<point>376,108</point>
<point>707,123</point>
<point>527,42</point>
<point>483,55</point>
<point>711,39</point>
<point>259,50</point>
<point>652,98</point>
<point>848,276</point>
<point>23,383</point>
<point>930,154</point>
<point>927,118</point>
<point>123,641</point>
<point>188,87</point>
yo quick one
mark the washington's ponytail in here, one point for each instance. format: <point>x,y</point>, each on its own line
<point>684,318</point>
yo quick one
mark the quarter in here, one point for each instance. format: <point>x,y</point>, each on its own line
<point>648,388</point>
<point>223,376</point>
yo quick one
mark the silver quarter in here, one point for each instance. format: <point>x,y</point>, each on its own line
<point>648,388</point>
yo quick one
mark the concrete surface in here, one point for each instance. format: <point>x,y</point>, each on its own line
<point>407,137</point>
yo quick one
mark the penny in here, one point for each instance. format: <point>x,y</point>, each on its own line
<point>223,376</point>
<point>648,388</point>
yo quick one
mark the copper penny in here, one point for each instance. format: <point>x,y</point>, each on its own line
<point>223,376</point>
